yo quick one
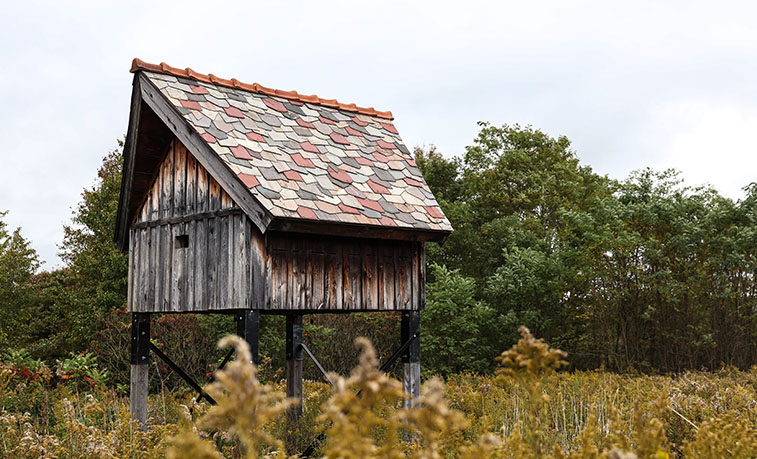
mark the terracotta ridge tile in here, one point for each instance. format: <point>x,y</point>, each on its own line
<point>138,64</point>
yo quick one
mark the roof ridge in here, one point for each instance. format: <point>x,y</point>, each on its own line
<point>138,64</point>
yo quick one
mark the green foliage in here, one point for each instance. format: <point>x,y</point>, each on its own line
<point>458,330</point>
<point>645,273</point>
<point>98,268</point>
<point>18,262</point>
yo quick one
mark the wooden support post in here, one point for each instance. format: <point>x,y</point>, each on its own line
<point>248,326</point>
<point>411,358</point>
<point>140,363</point>
<point>294,356</point>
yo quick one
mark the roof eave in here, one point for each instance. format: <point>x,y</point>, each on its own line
<point>344,229</point>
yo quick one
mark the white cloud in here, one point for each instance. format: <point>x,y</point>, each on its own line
<point>710,143</point>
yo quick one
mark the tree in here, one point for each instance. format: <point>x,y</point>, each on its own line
<point>98,268</point>
<point>460,332</point>
<point>18,262</point>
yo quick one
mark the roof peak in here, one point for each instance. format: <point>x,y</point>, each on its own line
<point>138,64</point>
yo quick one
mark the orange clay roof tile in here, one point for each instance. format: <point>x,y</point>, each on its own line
<point>138,64</point>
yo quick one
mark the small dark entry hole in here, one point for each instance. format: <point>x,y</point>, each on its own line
<point>182,241</point>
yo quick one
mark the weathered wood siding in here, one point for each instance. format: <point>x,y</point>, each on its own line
<point>306,272</point>
<point>192,249</point>
<point>191,246</point>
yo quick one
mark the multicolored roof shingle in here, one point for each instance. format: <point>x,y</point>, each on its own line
<point>302,156</point>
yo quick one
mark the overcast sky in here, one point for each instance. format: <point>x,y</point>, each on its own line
<point>637,84</point>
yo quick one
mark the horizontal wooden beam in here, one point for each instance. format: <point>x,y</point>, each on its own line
<point>189,218</point>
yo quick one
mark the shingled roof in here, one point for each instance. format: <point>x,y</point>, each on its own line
<point>303,157</point>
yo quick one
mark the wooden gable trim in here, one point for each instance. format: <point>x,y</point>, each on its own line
<point>122,217</point>
<point>204,154</point>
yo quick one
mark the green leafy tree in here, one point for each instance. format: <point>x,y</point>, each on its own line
<point>460,333</point>
<point>98,268</point>
<point>18,262</point>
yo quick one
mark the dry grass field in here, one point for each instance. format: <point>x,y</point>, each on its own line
<point>527,409</point>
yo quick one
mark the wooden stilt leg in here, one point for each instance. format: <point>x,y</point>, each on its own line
<point>248,326</point>
<point>411,358</point>
<point>294,357</point>
<point>140,363</point>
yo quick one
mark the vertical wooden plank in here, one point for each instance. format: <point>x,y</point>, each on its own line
<point>271,266</point>
<point>202,189</point>
<point>226,201</point>
<point>166,265</point>
<point>130,278</point>
<point>258,263</point>
<point>317,260</point>
<point>155,198</point>
<point>156,269</point>
<point>301,294</point>
<point>334,276</point>
<point>231,257</point>
<point>352,275</point>
<point>223,262</point>
<point>238,270</point>
<point>291,274</point>
<point>415,257</point>
<point>212,264</point>
<point>281,272</point>
<point>387,276</point>
<point>214,195</point>
<point>368,281</point>
<point>190,266</point>
<point>199,260</point>
<point>139,255</point>
<point>149,265</point>
<point>166,182</point>
<point>191,184</point>
<point>422,275</point>
<point>404,278</point>
<point>179,181</point>
<point>179,278</point>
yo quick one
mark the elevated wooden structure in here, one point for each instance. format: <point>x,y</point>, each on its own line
<point>242,199</point>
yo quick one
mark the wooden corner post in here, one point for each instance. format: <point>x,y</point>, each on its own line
<point>140,363</point>
<point>411,358</point>
<point>248,328</point>
<point>294,357</point>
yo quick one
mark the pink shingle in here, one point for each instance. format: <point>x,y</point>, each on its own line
<point>255,136</point>
<point>307,146</point>
<point>304,212</point>
<point>249,180</point>
<point>190,104</point>
<point>435,212</point>
<point>377,188</point>
<point>233,111</point>
<point>275,104</point>
<point>339,138</point>
<point>340,175</point>
<point>301,161</point>
<point>304,123</point>
<point>240,152</point>
<point>293,175</point>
